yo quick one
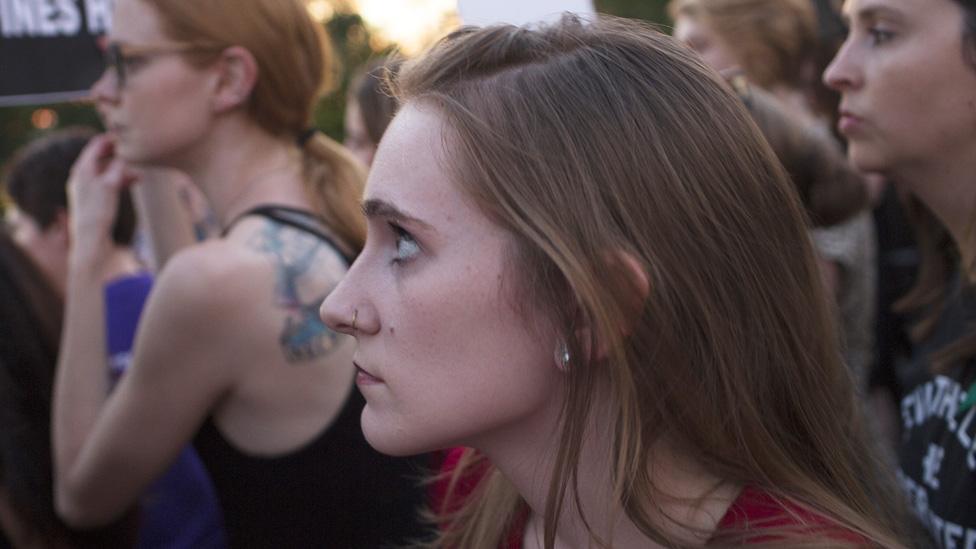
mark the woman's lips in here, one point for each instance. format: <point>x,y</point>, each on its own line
<point>849,123</point>
<point>365,378</point>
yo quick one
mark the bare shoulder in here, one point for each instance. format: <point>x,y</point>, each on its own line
<point>209,277</point>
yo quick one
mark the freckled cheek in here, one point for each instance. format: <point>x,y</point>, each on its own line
<point>440,325</point>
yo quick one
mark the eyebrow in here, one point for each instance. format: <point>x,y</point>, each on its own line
<point>377,208</point>
<point>870,12</point>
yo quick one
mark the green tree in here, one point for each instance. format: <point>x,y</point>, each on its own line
<point>354,47</point>
<point>650,10</point>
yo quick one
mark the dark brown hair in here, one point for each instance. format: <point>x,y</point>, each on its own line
<point>831,191</point>
<point>969,30</point>
<point>377,105</point>
<point>36,177</point>
<point>30,321</point>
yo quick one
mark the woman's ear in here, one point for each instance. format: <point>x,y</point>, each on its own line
<point>632,287</point>
<point>237,76</point>
<point>633,280</point>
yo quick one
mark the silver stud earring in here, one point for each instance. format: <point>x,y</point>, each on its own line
<point>561,355</point>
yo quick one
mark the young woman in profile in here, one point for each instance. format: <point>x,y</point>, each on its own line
<point>230,353</point>
<point>907,77</point>
<point>584,264</point>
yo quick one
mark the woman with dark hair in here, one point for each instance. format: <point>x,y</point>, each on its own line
<point>370,107</point>
<point>30,321</point>
<point>585,265</point>
<point>907,76</point>
<point>230,353</point>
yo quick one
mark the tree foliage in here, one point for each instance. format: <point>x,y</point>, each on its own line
<point>650,10</point>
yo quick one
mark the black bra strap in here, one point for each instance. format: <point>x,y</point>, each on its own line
<point>302,220</point>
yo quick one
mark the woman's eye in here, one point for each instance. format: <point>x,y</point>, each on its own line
<point>133,62</point>
<point>406,247</point>
<point>879,36</point>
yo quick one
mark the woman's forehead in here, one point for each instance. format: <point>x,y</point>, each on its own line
<point>135,22</point>
<point>409,168</point>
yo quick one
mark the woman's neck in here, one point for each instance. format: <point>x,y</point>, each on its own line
<point>948,188</point>
<point>240,166</point>
<point>686,492</point>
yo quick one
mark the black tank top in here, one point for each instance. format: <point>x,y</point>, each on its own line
<point>335,491</point>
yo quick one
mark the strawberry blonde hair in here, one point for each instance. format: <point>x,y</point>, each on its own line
<point>296,66</point>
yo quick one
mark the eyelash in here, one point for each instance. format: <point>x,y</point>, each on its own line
<point>402,236</point>
<point>133,62</point>
<point>879,36</point>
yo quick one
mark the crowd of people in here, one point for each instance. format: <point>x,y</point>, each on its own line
<point>567,285</point>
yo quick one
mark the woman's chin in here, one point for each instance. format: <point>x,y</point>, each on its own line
<point>393,441</point>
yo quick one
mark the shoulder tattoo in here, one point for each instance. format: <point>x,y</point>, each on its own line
<point>304,336</point>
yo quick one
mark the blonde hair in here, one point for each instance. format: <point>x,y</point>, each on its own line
<point>295,67</point>
<point>774,40</point>
<point>582,139</point>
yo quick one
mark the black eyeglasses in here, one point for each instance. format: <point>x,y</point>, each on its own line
<point>123,59</point>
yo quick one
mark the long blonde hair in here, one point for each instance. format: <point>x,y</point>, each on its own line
<point>295,67</point>
<point>586,138</point>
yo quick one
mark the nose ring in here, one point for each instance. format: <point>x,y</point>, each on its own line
<point>355,316</point>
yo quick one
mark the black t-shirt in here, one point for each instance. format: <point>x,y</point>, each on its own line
<point>938,447</point>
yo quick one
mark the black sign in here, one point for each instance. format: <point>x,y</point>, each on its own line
<point>49,49</point>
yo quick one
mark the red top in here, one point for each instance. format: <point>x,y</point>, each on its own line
<point>754,510</point>
<point>757,511</point>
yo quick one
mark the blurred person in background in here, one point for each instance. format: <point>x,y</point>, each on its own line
<point>772,43</point>
<point>630,337</point>
<point>180,510</point>
<point>173,214</point>
<point>230,353</point>
<point>30,321</point>
<point>907,78</point>
<point>370,107</point>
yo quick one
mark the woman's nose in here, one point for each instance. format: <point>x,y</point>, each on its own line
<point>842,74</point>
<point>344,312</point>
<point>105,89</point>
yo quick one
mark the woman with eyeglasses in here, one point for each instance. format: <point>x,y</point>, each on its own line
<point>230,353</point>
<point>907,77</point>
